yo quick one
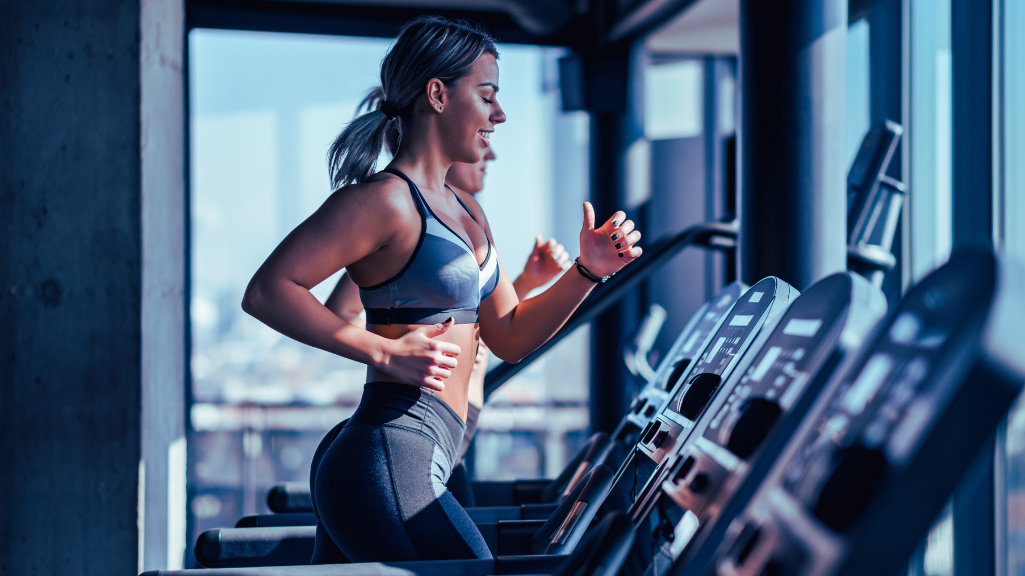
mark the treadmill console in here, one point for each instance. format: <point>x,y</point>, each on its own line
<point>687,345</point>
<point>734,444</point>
<point>859,483</point>
<point>759,307</point>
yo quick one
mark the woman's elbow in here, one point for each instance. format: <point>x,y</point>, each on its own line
<point>253,299</point>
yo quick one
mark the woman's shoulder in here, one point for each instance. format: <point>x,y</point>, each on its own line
<point>381,195</point>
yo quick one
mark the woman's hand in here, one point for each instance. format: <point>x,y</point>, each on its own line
<point>606,250</point>
<point>546,261</point>
<point>420,359</point>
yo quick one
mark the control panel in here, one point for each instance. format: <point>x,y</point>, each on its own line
<point>756,312</point>
<point>687,345</point>
<point>734,444</point>
<point>871,465</point>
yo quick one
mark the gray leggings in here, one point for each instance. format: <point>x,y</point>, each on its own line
<point>379,488</point>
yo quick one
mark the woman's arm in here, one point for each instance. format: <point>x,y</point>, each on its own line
<point>512,329</point>
<point>345,303</point>
<point>279,293</point>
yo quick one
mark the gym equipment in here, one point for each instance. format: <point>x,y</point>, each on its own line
<point>597,555</point>
<point>874,202</point>
<point>733,444</point>
<point>293,545</point>
<point>753,315</point>
<point>870,467</point>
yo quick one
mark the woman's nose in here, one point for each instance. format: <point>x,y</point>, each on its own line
<point>498,116</point>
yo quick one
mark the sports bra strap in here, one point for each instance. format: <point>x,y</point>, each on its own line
<point>421,203</point>
<point>461,203</point>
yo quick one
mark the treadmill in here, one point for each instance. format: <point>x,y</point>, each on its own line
<point>860,482</point>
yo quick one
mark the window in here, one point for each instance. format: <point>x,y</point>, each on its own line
<point>930,136</point>
<point>263,109</point>
<point>1011,501</point>
<point>857,120</point>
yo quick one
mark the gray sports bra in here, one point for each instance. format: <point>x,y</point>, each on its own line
<point>441,279</point>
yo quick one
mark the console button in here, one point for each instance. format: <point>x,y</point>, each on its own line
<point>650,431</point>
<point>659,438</point>
<point>699,484</point>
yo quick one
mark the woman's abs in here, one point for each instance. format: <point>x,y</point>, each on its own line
<point>456,386</point>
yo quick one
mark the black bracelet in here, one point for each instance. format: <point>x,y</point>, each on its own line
<point>587,273</point>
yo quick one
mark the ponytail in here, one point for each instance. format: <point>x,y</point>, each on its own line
<point>393,129</point>
<point>352,157</point>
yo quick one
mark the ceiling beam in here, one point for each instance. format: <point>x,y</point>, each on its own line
<point>366,20</point>
<point>643,18</point>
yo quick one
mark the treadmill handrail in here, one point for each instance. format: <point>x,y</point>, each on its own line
<point>719,235</point>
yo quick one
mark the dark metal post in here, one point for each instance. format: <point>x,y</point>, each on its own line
<point>607,78</point>
<point>972,52</point>
<point>971,47</point>
<point>792,172</point>
<point>885,103</point>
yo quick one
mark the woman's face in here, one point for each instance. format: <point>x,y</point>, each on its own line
<point>471,112</point>
<point>470,177</point>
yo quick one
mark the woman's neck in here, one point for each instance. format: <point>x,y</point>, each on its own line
<point>421,159</point>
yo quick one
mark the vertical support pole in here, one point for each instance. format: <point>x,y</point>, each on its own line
<point>163,213</point>
<point>717,73</point>
<point>792,172</point>
<point>971,48</point>
<point>972,67</point>
<point>973,516</point>
<point>885,103</point>
<point>607,80</point>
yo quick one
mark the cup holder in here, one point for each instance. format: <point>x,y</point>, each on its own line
<point>701,390</point>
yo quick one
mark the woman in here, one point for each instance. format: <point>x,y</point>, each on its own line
<point>546,261</point>
<point>431,282</point>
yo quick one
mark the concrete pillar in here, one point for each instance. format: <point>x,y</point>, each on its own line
<point>791,139</point>
<point>92,269</point>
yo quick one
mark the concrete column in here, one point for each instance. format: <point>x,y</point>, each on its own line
<point>791,139</point>
<point>92,274</point>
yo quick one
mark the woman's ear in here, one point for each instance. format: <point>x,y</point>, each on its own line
<point>436,94</point>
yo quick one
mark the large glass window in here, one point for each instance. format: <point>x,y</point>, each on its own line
<point>1013,224</point>
<point>857,88</point>
<point>930,136</point>
<point>263,110</point>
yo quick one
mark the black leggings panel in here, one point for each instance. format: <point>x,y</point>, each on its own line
<point>379,487</point>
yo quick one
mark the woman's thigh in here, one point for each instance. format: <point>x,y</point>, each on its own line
<point>378,497</point>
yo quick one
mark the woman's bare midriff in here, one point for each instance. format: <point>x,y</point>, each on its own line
<point>456,386</point>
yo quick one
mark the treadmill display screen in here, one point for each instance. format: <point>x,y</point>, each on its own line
<point>685,351</point>
<point>891,400</point>
<point>733,333</point>
<point>793,353</point>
